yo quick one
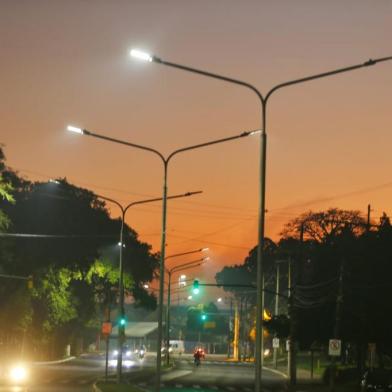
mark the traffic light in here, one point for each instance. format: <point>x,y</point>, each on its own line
<point>122,322</point>
<point>196,289</point>
<point>204,317</point>
<point>30,283</point>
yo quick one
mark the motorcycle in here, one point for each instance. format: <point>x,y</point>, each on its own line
<point>197,361</point>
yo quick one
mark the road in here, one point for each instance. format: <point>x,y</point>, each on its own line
<point>77,375</point>
<point>218,375</point>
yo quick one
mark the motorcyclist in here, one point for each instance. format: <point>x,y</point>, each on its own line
<point>197,355</point>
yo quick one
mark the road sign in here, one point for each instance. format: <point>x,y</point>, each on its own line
<point>275,343</point>
<point>106,328</point>
<point>335,347</point>
<point>209,324</point>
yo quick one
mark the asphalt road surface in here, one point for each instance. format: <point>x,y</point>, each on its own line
<point>218,376</point>
<point>77,375</point>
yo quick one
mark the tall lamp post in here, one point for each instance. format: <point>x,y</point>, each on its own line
<point>263,99</point>
<point>170,271</point>
<point>165,161</point>
<point>121,323</point>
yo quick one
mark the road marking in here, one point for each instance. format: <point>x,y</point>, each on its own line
<point>175,374</point>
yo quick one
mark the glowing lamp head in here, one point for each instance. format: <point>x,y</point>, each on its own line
<point>141,55</point>
<point>255,132</point>
<point>73,129</point>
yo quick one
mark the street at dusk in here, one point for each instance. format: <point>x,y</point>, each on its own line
<point>195,195</point>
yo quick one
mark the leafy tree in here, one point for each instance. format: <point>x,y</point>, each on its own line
<point>71,250</point>
<point>324,226</point>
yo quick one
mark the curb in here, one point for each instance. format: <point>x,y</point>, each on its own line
<point>284,375</point>
<point>54,362</point>
<point>95,388</point>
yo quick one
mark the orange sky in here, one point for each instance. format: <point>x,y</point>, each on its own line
<point>329,140</point>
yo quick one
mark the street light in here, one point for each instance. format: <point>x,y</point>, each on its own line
<point>263,99</point>
<point>177,268</point>
<point>165,161</point>
<point>122,322</point>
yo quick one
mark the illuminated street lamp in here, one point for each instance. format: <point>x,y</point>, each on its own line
<point>165,161</point>
<point>263,99</point>
<point>177,268</point>
<point>122,319</point>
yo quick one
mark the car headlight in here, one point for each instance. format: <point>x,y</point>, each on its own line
<point>115,353</point>
<point>267,352</point>
<point>18,373</point>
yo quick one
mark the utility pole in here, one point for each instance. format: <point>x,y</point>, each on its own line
<point>336,332</point>
<point>368,218</point>
<point>293,318</point>
<point>275,358</point>
<point>230,328</point>
<point>236,331</point>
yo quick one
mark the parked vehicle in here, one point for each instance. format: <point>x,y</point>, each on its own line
<point>175,347</point>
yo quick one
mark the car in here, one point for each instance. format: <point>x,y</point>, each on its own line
<point>377,380</point>
<point>128,357</point>
<point>14,373</point>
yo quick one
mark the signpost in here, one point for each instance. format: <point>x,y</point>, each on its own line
<point>106,330</point>
<point>275,343</point>
<point>335,347</point>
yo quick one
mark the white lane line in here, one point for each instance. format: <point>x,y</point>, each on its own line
<point>175,374</point>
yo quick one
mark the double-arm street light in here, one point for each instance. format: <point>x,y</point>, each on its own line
<point>121,318</point>
<point>165,161</point>
<point>263,99</point>
<point>170,271</point>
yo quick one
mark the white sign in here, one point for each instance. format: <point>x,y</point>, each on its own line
<point>288,345</point>
<point>335,347</point>
<point>275,342</point>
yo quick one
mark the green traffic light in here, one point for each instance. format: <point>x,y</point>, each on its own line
<point>123,321</point>
<point>196,289</point>
<point>204,317</point>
